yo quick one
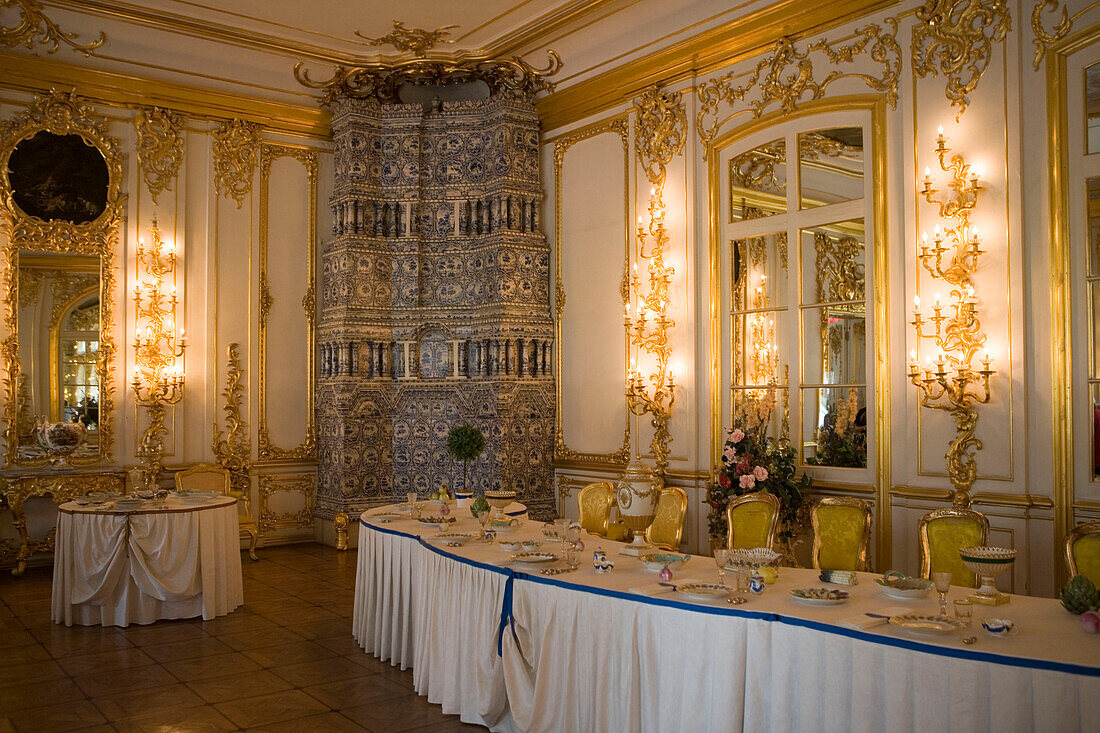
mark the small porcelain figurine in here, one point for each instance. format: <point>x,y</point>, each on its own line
<point>601,562</point>
<point>756,583</point>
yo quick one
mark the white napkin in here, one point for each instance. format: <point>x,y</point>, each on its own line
<point>872,619</point>
<point>656,589</point>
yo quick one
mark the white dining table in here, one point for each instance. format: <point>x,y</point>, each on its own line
<point>165,560</point>
<point>507,647</point>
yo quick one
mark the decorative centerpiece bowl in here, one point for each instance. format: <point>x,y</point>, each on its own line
<point>987,563</point>
<point>60,439</point>
<point>498,500</point>
<point>657,561</point>
<point>636,496</point>
<point>755,558</point>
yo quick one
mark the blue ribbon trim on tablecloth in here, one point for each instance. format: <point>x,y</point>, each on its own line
<point>507,617</point>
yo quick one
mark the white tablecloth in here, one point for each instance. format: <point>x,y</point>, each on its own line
<point>582,652</point>
<point>119,568</point>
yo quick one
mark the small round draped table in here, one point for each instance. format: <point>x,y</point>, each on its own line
<point>167,560</point>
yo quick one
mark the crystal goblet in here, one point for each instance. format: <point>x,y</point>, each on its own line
<point>943,584</point>
<point>721,557</point>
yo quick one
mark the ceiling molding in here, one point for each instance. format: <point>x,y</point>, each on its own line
<point>729,43</point>
<point>526,35</point>
<point>35,74</point>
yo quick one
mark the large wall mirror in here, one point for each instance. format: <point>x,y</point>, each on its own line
<point>60,191</point>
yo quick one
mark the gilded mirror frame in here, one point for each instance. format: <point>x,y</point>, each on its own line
<point>60,114</point>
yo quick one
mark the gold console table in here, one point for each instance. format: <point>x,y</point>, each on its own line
<point>18,485</point>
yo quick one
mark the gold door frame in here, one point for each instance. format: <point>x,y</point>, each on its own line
<point>876,105</point>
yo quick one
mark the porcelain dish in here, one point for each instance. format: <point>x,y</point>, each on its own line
<point>704,591</point>
<point>657,561</point>
<point>819,596</point>
<point>1000,627</point>
<point>534,558</point>
<point>899,587</point>
<point>924,625</point>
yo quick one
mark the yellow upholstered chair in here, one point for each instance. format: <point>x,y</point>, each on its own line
<point>1083,551</point>
<point>753,521</point>
<point>594,503</point>
<point>208,477</point>
<point>942,533</point>
<point>842,533</point>
<point>668,521</point>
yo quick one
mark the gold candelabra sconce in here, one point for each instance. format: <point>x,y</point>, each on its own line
<point>648,331</point>
<point>949,381</point>
<point>158,346</point>
<point>763,354</point>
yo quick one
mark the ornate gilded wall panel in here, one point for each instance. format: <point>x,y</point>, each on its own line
<point>236,144</point>
<point>618,126</point>
<point>35,27</point>
<point>308,447</point>
<point>270,519</point>
<point>232,447</point>
<point>433,303</point>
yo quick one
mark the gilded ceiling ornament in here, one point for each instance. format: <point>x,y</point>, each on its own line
<point>382,80</point>
<point>955,38</point>
<point>236,144</point>
<point>34,27</point>
<point>1046,38</point>
<point>785,78</point>
<point>231,447</point>
<point>660,127</point>
<point>411,40</point>
<point>159,148</point>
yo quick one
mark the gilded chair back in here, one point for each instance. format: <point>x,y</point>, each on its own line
<point>594,503</point>
<point>753,521</point>
<point>842,533</point>
<point>668,521</point>
<point>942,533</point>
<point>1083,551</point>
<point>209,477</point>
<point>203,477</point>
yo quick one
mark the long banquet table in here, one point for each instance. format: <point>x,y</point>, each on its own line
<point>167,561</point>
<point>517,650</point>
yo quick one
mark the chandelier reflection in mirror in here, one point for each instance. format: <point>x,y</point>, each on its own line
<point>949,381</point>
<point>648,331</point>
<point>158,346</point>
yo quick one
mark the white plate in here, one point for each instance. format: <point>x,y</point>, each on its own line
<point>387,516</point>
<point>534,558</point>
<point>703,591</point>
<point>924,625</point>
<point>809,601</point>
<point>128,504</point>
<point>903,594</point>
<point>452,537</point>
<point>86,500</point>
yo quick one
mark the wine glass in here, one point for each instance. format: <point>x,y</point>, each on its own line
<point>483,519</point>
<point>570,556</point>
<point>721,557</point>
<point>943,584</point>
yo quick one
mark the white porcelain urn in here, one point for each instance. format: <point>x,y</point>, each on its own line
<point>636,496</point>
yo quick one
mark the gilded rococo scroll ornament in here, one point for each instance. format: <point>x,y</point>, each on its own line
<point>1044,38</point>
<point>61,114</point>
<point>232,447</point>
<point>236,144</point>
<point>382,80</point>
<point>619,126</point>
<point>660,127</point>
<point>159,147</point>
<point>34,27</point>
<point>785,78</point>
<point>416,41</point>
<point>955,38</point>
<point>269,519</point>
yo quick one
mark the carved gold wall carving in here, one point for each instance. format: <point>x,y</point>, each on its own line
<point>785,78</point>
<point>660,128</point>
<point>1044,38</point>
<point>416,41</point>
<point>955,38</point>
<point>308,449</point>
<point>61,114</point>
<point>34,27</point>
<point>269,519</point>
<point>236,144</point>
<point>232,447</point>
<point>616,125</point>
<point>159,147</point>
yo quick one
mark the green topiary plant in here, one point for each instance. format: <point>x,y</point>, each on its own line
<point>465,443</point>
<point>1079,595</point>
